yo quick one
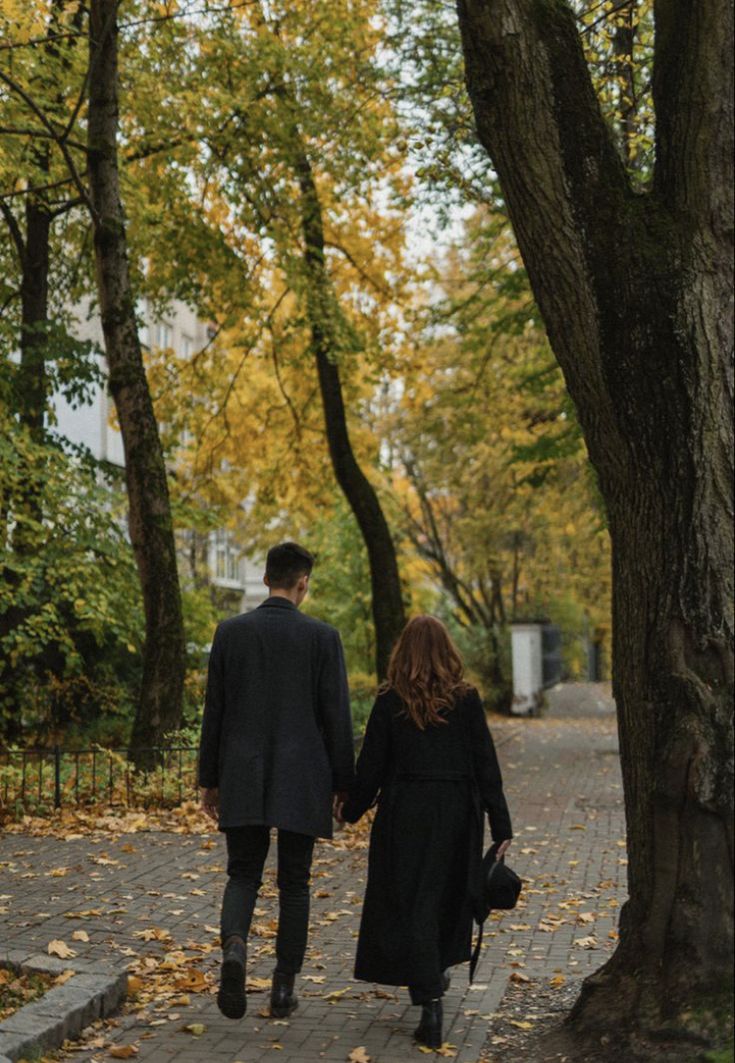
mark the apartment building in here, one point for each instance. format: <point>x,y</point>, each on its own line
<point>236,579</point>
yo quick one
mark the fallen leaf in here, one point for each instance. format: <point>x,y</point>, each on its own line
<point>80,935</point>
<point>521,1024</point>
<point>359,1055</point>
<point>123,1051</point>
<point>338,993</point>
<point>196,1029</point>
<point>586,943</point>
<point>257,985</point>
<point>61,949</point>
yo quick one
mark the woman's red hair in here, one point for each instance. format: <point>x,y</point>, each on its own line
<point>425,671</point>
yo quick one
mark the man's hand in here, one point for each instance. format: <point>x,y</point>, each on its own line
<point>339,799</point>
<point>503,849</point>
<point>210,802</point>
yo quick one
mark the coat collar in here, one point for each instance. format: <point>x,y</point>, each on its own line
<point>278,602</point>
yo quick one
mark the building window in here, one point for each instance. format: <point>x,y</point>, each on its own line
<point>221,562</point>
<point>187,346</point>
<point>227,561</point>
<point>164,335</point>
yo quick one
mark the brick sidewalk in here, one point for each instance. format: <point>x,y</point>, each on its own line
<point>563,784</point>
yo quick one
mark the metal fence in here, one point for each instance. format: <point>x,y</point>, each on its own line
<point>41,779</point>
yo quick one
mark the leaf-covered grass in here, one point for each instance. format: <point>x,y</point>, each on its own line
<point>17,990</point>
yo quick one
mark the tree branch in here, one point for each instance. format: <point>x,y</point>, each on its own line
<point>692,93</point>
<point>12,223</point>
<point>56,137</point>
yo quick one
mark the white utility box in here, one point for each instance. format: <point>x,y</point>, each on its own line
<point>528,668</point>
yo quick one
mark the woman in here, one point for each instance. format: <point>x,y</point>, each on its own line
<point>429,758</point>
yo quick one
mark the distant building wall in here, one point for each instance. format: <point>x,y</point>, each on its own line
<point>239,578</point>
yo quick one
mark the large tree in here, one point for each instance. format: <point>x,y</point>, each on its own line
<point>149,519</point>
<point>635,286</point>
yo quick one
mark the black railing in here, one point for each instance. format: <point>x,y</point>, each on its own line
<point>40,779</point>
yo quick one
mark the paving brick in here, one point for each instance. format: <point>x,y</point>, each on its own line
<point>563,783</point>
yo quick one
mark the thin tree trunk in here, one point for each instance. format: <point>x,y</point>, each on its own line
<point>635,293</point>
<point>31,381</point>
<point>32,248</point>
<point>149,515</point>
<point>387,599</point>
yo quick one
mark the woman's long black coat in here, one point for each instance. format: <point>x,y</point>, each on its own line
<point>432,787</point>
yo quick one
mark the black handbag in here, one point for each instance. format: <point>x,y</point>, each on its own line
<point>498,889</point>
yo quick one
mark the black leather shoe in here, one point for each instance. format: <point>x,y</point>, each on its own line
<point>231,999</point>
<point>283,998</point>
<point>429,1030</point>
<point>446,981</point>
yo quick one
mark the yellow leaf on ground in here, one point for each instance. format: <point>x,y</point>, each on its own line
<point>196,1029</point>
<point>586,943</point>
<point>80,935</point>
<point>337,994</point>
<point>256,985</point>
<point>521,1024</point>
<point>61,949</point>
<point>123,1051</point>
<point>359,1055</point>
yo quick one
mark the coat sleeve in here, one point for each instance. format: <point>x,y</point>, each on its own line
<point>334,713</point>
<point>214,707</point>
<point>487,771</point>
<point>372,764</point>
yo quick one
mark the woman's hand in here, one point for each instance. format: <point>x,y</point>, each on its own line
<point>503,849</point>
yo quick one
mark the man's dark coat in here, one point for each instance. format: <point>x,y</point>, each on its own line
<point>277,730</point>
<point>426,839</point>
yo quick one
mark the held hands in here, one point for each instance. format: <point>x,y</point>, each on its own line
<point>209,802</point>
<point>502,849</point>
<point>337,805</point>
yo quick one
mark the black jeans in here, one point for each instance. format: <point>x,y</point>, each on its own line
<point>247,848</point>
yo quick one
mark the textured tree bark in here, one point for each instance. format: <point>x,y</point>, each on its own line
<point>149,517</point>
<point>635,291</point>
<point>31,384</point>
<point>387,599</point>
<point>32,248</point>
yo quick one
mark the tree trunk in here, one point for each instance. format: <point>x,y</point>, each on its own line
<point>30,398</point>
<point>31,380</point>
<point>149,516</point>
<point>387,599</point>
<point>635,293</point>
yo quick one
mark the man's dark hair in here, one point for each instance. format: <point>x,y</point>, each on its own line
<point>286,564</point>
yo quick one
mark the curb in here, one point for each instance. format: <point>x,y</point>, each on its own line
<point>63,1012</point>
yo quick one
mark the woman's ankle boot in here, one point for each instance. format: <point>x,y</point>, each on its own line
<point>429,1030</point>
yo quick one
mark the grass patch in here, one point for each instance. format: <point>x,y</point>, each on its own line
<point>721,1055</point>
<point>17,990</point>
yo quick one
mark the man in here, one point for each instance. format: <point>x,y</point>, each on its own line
<point>276,750</point>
